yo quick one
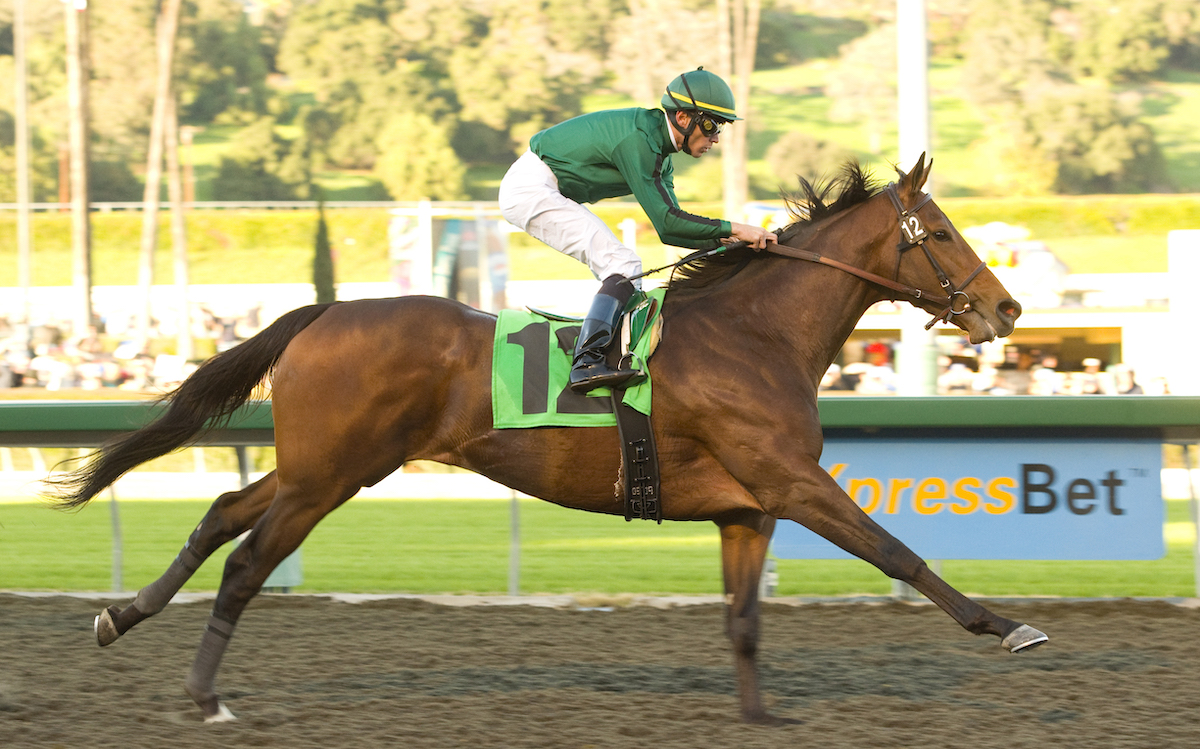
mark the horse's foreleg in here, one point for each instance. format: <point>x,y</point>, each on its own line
<point>1015,636</point>
<point>743,549</point>
<point>291,516</point>
<point>231,515</point>
<point>828,511</point>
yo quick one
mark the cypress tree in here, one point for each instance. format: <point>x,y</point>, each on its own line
<point>323,259</point>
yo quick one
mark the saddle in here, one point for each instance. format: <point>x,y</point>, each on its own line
<point>638,476</point>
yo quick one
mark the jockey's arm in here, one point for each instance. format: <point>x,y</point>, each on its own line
<point>649,176</point>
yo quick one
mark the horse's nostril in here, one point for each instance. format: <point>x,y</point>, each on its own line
<point>1009,308</point>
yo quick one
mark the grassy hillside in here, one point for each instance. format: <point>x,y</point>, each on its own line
<point>792,98</point>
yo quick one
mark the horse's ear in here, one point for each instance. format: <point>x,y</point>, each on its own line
<point>916,177</point>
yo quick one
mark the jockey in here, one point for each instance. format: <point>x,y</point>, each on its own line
<point>609,154</point>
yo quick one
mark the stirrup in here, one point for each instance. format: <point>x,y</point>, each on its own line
<point>587,377</point>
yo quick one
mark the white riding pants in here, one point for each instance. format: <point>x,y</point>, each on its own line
<point>530,200</point>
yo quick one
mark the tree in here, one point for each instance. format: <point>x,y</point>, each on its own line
<point>658,40</point>
<point>124,55</point>
<point>168,25</point>
<point>370,104</point>
<point>323,276</point>
<point>1182,21</point>
<point>1074,139</point>
<point>743,36</point>
<point>799,154</point>
<point>1046,132</point>
<point>1097,143</point>
<point>1008,51</point>
<point>113,181</point>
<point>863,85</point>
<point>1124,41</point>
<point>514,79</point>
<point>223,64</point>
<point>252,170</point>
<point>367,61</point>
<point>417,162</point>
<point>122,50</point>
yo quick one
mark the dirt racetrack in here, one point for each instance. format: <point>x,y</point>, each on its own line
<point>311,672</point>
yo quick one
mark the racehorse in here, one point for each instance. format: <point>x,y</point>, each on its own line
<point>361,387</point>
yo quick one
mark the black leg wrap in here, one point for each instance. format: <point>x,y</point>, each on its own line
<point>220,627</point>
<point>200,681</point>
<point>189,558</point>
<point>154,597</point>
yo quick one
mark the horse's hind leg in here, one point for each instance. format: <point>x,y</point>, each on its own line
<point>744,544</point>
<point>290,518</point>
<point>231,515</point>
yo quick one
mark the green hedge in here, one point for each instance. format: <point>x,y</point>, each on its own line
<point>251,246</point>
<point>1092,216</point>
<point>262,246</point>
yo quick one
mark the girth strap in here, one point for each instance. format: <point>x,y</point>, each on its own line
<point>641,480</point>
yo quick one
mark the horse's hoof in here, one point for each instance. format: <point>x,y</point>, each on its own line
<point>763,718</point>
<point>1023,638</point>
<point>223,715</point>
<point>214,710</point>
<point>105,627</point>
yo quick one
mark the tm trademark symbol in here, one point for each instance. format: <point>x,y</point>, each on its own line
<point>1140,473</point>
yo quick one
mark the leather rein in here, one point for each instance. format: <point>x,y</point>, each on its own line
<point>912,234</point>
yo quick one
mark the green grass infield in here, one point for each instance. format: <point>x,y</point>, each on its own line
<point>463,546</point>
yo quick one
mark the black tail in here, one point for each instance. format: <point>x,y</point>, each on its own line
<point>204,401</point>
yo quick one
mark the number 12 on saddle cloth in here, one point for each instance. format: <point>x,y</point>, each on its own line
<point>531,363</point>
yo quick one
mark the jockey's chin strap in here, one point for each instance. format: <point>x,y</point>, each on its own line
<point>912,234</point>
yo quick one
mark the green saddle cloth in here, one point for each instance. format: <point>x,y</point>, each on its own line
<point>531,366</point>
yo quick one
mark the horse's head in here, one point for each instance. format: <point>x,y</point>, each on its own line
<point>894,237</point>
<point>949,279</point>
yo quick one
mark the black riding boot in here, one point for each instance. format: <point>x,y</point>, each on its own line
<point>589,370</point>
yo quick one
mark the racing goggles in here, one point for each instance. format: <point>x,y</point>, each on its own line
<point>710,126</point>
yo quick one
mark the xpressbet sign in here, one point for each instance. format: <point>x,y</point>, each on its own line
<point>999,499</point>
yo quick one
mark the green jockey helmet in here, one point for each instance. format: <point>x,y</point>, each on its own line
<point>702,91</point>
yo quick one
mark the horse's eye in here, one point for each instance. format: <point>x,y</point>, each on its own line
<point>941,235</point>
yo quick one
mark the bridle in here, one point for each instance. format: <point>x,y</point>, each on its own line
<point>912,234</point>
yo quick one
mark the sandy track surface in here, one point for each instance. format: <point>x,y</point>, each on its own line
<point>308,672</point>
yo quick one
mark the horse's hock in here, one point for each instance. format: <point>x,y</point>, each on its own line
<point>307,671</point>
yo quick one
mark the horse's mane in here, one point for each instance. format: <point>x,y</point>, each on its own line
<point>853,186</point>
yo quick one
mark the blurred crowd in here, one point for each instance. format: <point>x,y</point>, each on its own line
<point>968,373</point>
<point>48,356</point>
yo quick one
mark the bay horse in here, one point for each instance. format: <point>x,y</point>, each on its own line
<point>361,387</point>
